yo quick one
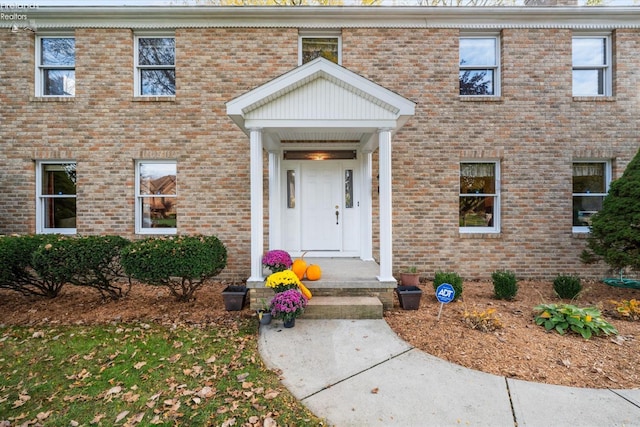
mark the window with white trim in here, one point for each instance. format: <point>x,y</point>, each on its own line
<point>591,179</point>
<point>319,43</point>
<point>591,56</point>
<point>479,73</point>
<point>55,66</point>
<point>156,197</point>
<point>155,59</point>
<point>56,197</point>
<point>479,207</point>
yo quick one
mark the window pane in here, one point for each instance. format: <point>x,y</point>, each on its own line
<point>156,51</point>
<point>157,178</point>
<point>291,189</point>
<point>589,51</point>
<point>589,178</point>
<point>59,179</point>
<point>583,209</point>
<point>60,82</point>
<point>348,188</point>
<point>476,211</point>
<point>58,51</point>
<point>588,82</point>
<point>158,82</point>
<point>159,212</point>
<point>60,212</point>
<point>476,82</point>
<point>313,48</point>
<point>477,178</point>
<point>476,51</point>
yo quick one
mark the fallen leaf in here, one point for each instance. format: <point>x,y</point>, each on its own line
<point>139,365</point>
<point>210,360</point>
<point>121,416</point>
<point>269,422</point>
<point>374,391</point>
<point>43,415</point>
<point>271,394</point>
<point>97,418</point>
<point>230,422</point>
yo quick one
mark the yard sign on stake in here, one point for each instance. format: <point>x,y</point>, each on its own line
<point>445,294</point>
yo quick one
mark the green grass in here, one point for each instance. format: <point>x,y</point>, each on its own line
<point>141,374</point>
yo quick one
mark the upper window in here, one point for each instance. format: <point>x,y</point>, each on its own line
<point>56,197</point>
<point>591,181</point>
<point>156,197</point>
<point>155,66</point>
<point>479,70</point>
<point>591,66</point>
<point>479,197</point>
<point>327,44</point>
<point>56,66</point>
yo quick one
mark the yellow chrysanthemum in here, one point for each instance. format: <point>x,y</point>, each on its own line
<point>282,278</point>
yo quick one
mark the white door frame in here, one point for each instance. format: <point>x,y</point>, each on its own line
<point>362,190</point>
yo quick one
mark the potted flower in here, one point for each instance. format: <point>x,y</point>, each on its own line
<point>287,306</point>
<point>283,281</point>
<point>277,260</point>
<point>410,277</point>
<point>264,312</point>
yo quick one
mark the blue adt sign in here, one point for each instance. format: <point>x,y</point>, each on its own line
<point>445,293</point>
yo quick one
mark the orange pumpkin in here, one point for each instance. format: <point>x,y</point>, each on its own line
<point>314,272</point>
<point>299,267</point>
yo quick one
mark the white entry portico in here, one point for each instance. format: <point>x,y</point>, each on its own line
<point>320,124</point>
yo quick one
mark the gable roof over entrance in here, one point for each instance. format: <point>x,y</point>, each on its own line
<point>320,101</point>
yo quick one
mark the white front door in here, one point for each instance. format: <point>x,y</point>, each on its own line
<point>321,210</point>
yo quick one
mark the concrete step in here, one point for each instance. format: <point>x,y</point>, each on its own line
<point>343,307</point>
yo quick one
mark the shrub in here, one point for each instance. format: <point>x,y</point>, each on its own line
<point>505,284</point>
<point>92,261</point>
<point>17,270</point>
<point>453,279</point>
<point>614,235</point>
<point>567,317</point>
<point>181,263</point>
<point>484,321</point>
<point>628,309</point>
<point>567,287</point>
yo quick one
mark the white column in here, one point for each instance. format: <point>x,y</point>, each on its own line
<point>257,205</point>
<point>366,216</point>
<point>386,254</point>
<point>275,233</point>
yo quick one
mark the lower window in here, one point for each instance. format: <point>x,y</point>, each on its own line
<point>590,185</point>
<point>479,205</point>
<point>156,197</point>
<point>56,197</point>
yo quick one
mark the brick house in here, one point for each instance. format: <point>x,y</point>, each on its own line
<point>457,139</point>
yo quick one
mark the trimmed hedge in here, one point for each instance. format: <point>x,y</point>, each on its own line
<point>181,263</point>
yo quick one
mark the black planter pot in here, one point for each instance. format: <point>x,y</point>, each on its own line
<point>409,297</point>
<point>234,297</point>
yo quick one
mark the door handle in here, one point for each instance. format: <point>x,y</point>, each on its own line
<point>337,216</point>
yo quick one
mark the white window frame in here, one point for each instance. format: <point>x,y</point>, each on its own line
<point>41,199</point>
<point>497,81</point>
<point>607,67</point>
<point>137,80</point>
<point>607,177</point>
<point>495,228</point>
<point>41,68</point>
<point>319,34</point>
<point>139,229</point>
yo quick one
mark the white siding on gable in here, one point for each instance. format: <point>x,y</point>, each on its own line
<point>330,101</point>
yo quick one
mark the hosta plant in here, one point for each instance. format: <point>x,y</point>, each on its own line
<point>628,309</point>
<point>485,320</point>
<point>568,318</point>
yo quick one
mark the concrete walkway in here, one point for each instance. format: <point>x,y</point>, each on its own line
<point>360,373</point>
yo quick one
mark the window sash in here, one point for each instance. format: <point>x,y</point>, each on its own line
<point>591,65</point>
<point>479,197</point>
<point>590,186</point>
<point>55,70</point>
<point>479,69</point>
<point>155,73</point>
<point>56,198</point>
<point>156,197</point>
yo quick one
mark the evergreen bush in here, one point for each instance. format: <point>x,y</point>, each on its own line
<point>567,287</point>
<point>17,270</point>
<point>505,284</point>
<point>451,278</point>
<point>181,263</point>
<point>615,230</point>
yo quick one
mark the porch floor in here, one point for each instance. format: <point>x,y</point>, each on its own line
<point>344,273</point>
